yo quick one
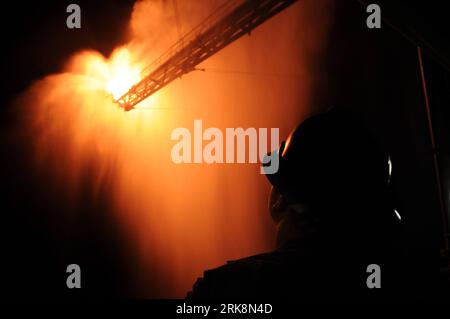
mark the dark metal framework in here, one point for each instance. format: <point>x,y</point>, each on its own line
<point>231,21</point>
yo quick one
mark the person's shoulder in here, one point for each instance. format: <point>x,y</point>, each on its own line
<point>238,278</point>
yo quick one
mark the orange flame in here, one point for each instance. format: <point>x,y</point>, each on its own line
<point>121,73</point>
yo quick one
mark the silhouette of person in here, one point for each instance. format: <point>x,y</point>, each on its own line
<point>330,200</point>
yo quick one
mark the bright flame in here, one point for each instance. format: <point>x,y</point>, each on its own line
<point>122,74</point>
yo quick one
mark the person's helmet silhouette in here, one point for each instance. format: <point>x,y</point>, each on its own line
<point>330,201</point>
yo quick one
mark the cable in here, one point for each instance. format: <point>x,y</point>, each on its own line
<point>250,73</point>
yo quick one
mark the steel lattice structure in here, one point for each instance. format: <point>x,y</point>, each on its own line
<point>231,21</point>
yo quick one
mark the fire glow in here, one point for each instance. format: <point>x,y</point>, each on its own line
<point>178,219</point>
<point>121,74</point>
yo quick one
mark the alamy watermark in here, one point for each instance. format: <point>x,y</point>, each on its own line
<point>373,21</point>
<point>237,145</point>
<point>73,20</point>
<point>374,278</point>
<point>74,278</point>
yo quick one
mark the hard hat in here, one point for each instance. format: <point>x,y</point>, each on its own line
<point>330,159</point>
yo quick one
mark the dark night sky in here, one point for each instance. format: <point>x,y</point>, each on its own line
<point>36,40</point>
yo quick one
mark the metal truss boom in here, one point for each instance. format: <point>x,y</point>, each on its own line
<point>230,22</point>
